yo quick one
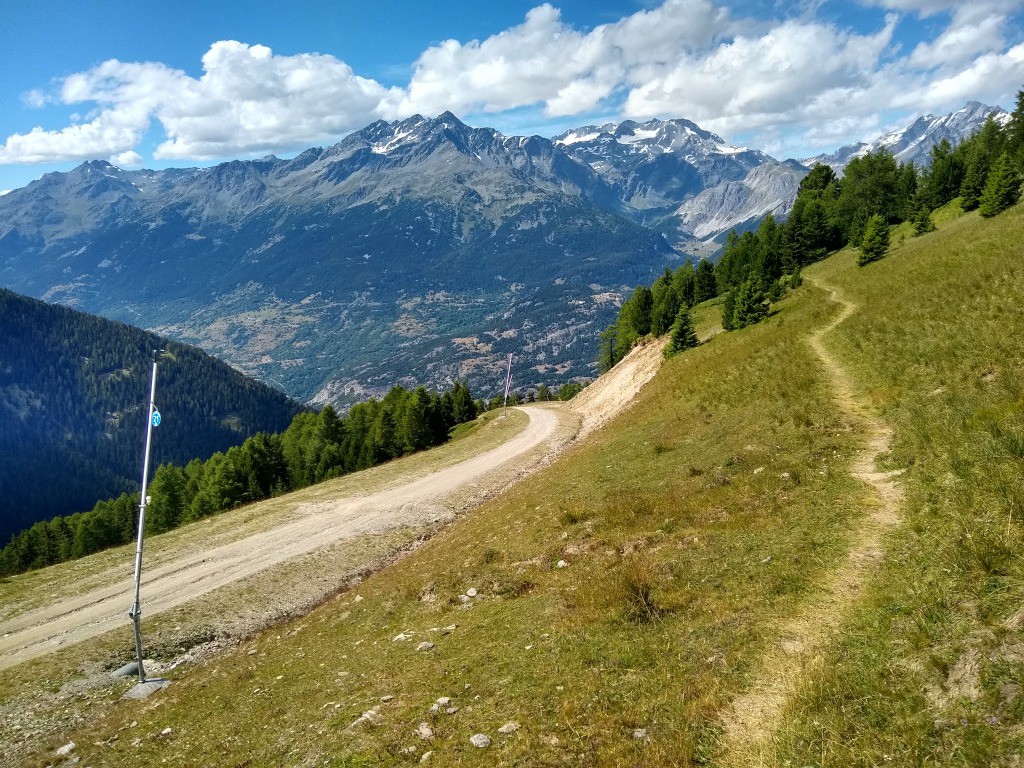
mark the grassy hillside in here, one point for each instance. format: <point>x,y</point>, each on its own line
<point>631,593</point>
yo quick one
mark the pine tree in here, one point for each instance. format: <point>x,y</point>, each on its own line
<point>729,311</point>
<point>607,350</point>
<point>875,242</point>
<point>923,223</point>
<point>1002,189</point>
<point>751,304</point>
<point>682,335</point>
<point>705,286</point>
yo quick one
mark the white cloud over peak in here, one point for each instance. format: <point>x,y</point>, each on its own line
<point>794,81</point>
<point>129,159</point>
<point>252,101</point>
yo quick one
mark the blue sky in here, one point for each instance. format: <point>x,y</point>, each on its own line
<point>147,84</point>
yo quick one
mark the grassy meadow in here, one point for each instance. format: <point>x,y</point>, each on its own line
<point>628,593</point>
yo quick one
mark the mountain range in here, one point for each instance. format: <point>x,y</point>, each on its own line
<point>416,251</point>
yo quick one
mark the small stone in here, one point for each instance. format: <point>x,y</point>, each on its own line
<point>451,710</point>
<point>409,750</point>
<point>253,651</point>
<point>426,757</point>
<point>759,470</point>
<point>444,701</point>
<point>358,599</point>
<point>471,592</point>
<point>463,598</point>
<point>387,698</point>
<point>66,748</point>
<point>424,731</point>
<point>449,629</point>
<point>784,475</point>
<point>480,740</point>
<point>510,727</point>
<point>640,734</point>
<point>561,564</point>
<point>426,645</point>
<point>529,647</point>
<point>401,637</point>
<point>434,709</point>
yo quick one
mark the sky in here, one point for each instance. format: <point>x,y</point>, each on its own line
<point>155,84</point>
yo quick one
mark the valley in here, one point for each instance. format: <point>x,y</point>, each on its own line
<point>808,521</point>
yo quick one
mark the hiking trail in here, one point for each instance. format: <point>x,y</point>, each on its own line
<point>752,719</point>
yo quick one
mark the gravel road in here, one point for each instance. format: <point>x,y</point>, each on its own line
<point>84,616</point>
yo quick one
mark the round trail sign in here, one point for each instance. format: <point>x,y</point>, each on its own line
<point>156,418</point>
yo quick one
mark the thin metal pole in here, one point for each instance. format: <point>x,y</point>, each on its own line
<point>136,612</point>
<point>508,383</point>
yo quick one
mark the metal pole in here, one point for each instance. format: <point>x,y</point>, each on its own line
<point>508,383</point>
<point>136,612</point>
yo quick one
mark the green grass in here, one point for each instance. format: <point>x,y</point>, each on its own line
<point>931,668</point>
<point>692,529</point>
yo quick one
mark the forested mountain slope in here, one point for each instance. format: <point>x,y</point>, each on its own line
<point>73,400</point>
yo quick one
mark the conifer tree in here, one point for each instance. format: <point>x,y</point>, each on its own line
<point>705,286</point>
<point>875,242</point>
<point>729,311</point>
<point>1002,189</point>
<point>923,223</point>
<point>682,335</point>
<point>751,304</point>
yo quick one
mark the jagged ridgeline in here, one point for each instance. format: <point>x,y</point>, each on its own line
<point>877,197</point>
<point>73,405</point>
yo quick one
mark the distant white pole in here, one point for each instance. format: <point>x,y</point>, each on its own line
<point>508,383</point>
<point>136,612</point>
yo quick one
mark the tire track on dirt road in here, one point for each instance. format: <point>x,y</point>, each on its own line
<point>73,620</point>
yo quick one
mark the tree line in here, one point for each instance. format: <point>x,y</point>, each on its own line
<point>829,213</point>
<point>314,447</point>
<point>72,405</point>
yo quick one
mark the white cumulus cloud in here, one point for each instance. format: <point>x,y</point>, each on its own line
<point>129,159</point>
<point>792,81</point>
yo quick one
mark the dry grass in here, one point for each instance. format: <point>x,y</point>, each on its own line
<point>642,579</point>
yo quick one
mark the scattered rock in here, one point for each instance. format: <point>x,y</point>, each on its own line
<point>426,645</point>
<point>449,629</point>
<point>401,637</point>
<point>464,598</point>
<point>759,470</point>
<point>66,748</point>
<point>165,732</point>
<point>426,757</point>
<point>358,599</point>
<point>510,727</point>
<point>451,710</point>
<point>561,564</point>
<point>444,701</point>
<point>409,750</point>
<point>434,709</point>
<point>471,592</point>
<point>387,698</point>
<point>480,740</point>
<point>784,475</point>
<point>424,731</point>
<point>640,734</point>
<point>369,716</point>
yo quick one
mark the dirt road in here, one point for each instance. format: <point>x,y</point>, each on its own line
<point>84,616</point>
